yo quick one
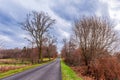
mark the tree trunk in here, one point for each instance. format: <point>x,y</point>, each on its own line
<point>88,67</point>
<point>49,57</point>
<point>48,54</point>
<point>40,58</point>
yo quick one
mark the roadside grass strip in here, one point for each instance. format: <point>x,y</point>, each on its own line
<point>68,73</point>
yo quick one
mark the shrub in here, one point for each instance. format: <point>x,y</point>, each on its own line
<point>105,68</point>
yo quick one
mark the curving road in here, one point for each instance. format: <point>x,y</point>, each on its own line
<point>50,71</point>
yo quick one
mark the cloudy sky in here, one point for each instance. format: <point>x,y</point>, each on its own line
<point>64,11</point>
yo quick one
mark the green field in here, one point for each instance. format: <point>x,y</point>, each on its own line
<point>68,73</point>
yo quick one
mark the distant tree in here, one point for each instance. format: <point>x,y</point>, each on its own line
<point>50,42</point>
<point>10,53</point>
<point>68,50</point>
<point>25,54</point>
<point>96,37</point>
<point>64,51</point>
<point>1,44</point>
<point>37,25</point>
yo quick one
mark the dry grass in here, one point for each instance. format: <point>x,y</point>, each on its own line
<point>80,71</point>
<point>5,68</point>
<point>7,61</point>
<point>10,64</point>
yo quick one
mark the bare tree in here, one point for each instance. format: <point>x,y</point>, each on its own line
<point>68,50</point>
<point>37,25</point>
<point>65,48</point>
<point>2,45</point>
<point>49,43</point>
<point>96,37</point>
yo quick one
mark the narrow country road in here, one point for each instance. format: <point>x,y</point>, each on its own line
<point>50,71</point>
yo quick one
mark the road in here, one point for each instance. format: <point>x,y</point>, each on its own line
<point>50,71</point>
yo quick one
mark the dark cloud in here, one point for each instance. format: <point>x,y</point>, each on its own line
<point>6,19</point>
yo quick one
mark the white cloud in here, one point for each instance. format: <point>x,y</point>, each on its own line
<point>64,34</point>
<point>114,11</point>
<point>117,27</point>
<point>113,8</point>
<point>5,38</point>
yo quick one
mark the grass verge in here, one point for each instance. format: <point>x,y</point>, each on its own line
<point>68,73</point>
<point>11,72</point>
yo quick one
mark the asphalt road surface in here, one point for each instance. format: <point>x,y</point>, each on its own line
<point>50,71</point>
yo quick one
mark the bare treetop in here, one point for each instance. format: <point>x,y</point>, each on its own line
<point>37,23</point>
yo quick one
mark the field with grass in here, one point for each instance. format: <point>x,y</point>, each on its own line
<point>68,73</point>
<point>13,61</point>
<point>5,68</point>
<point>12,66</point>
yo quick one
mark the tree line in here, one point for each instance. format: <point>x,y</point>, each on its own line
<point>28,54</point>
